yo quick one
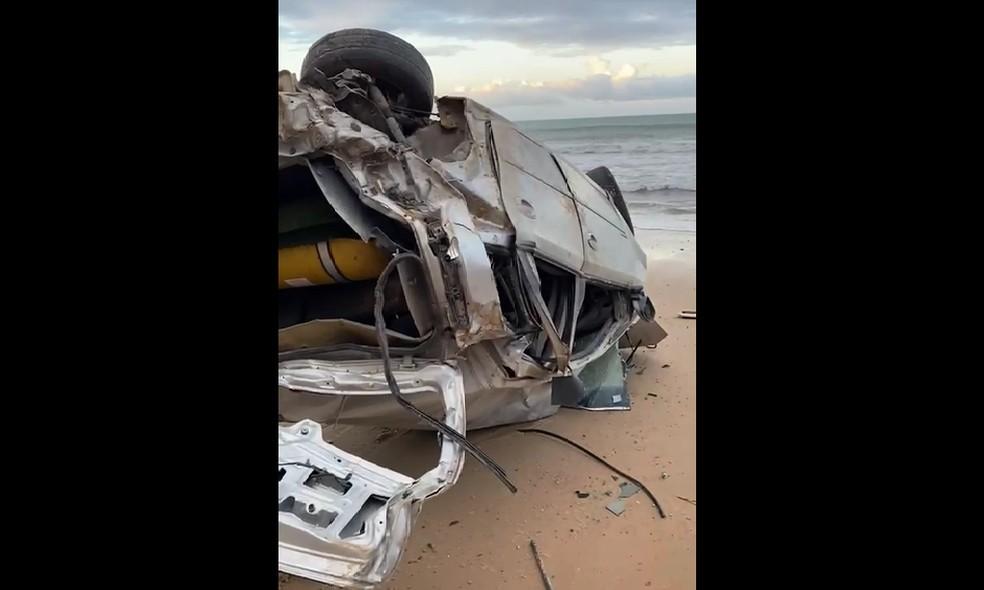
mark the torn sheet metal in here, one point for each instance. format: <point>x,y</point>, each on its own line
<point>344,520</point>
<point>474,269</point>
<point>490,401</point>
<point>325,333</point>
<point>394,180</point>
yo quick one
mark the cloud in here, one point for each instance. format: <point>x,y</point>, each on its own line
<point>622,86</point>
<point>597,65</point>
<point>561,26</point>
<point>441,50</point>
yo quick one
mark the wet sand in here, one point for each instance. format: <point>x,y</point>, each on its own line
<point>476,535</point>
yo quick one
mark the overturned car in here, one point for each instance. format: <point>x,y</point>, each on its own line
<point>436,270</point>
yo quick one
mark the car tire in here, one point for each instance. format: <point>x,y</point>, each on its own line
<point>603,177</point>
<point>399,70</point>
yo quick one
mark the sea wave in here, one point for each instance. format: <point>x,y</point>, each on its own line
<point>655,149</point>
<point>545,129</point>
<point>662,208</point>
<point>664,188</point>
<point>688,230</point>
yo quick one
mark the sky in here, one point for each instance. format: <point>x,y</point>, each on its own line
<point>529,59</point>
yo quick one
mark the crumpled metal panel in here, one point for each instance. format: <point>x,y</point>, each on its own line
<point>472,171</point>
<point>396,181</point>
<point>492,398</point>
<point>349,524</point>
<point>467,253</point>
<point>309,123</point>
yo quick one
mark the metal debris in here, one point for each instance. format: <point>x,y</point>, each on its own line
<point>688,315</point>
<point>603,462</point>
<point>617,507</point>
<point>539,566</point>
<point>581,494</point>
<point>626,489</point>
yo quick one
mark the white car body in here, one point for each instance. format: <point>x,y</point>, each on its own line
<point>493,215</point>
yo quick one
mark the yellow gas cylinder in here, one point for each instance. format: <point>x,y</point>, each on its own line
<point>333,261</point>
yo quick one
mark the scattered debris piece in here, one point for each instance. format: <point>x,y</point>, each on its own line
<point>666,366</point>
<point>626,489</point>
<point>688,315</point>
<point>581,494</point>
<point>694,502</point>
<point>651,395</point>
<point>600,460</point>
<point>664,475</point>
<point>608,493</point>
<point>617,507</point>
<point>539,566</point>
<point>453,522</point>
<point>615,477</point>
<point>651,346</point>
<point>431,547</point>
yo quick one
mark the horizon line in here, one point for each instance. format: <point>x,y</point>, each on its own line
<point>605,117</point>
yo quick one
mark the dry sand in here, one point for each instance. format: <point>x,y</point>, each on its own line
<point>476,535</point>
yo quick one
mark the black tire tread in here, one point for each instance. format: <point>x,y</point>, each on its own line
<point>379,54</point>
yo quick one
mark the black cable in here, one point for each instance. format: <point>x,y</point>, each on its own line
<point>603,462</point>
<point>476,452</point>
<point>410,110</point>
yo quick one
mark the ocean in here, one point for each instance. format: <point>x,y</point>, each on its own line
<point>653,158</point>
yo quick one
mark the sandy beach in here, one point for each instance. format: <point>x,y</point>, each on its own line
<point>476,535</point>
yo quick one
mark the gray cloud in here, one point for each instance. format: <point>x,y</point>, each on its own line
<point>599,87</point>
<point>563,26</point>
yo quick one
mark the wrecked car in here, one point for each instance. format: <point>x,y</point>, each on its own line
<point>437,270</point>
